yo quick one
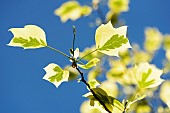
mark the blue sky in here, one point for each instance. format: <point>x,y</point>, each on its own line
<point>22,89</point>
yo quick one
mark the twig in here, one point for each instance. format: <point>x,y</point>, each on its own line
<point>94,94</point>
<point>74,37</point>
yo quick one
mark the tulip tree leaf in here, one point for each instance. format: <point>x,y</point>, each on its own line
<point>118,6</point>
<point>90,64</point>
<point>110,102</point>
<point>72,10</point>
<point>110,40</point>
<point>29,37</point>
<point>55,74</point>
<point>147,75</point>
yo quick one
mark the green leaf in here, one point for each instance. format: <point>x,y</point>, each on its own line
<point>73,74</point>
<point>72,10</point>
<point>111,40</point>
<point>55,74</point>
<point>118,6</point>
<point>29,37</point>
<point>112,103</point>
<point>114,42</point>
<point>90,64</point>
<point>101,94</point>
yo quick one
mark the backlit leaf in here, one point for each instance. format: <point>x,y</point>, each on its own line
<point>118,6</point>
<point>164,93</point>
<point>147,75</point>
<point>72,10</point>
<point>29,37</point>
<point>144,109</point>
<point>153,39</point>
<point>90,64</point>
<point>110,88</point>
<point>87,108</point>
<point>112,103</point>
<point>111,40</point>
<point>73,74</point>
<point>95,72</point>
<point>166,42</point>
<point>55,74</point>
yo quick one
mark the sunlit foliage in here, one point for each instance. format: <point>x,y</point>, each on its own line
<point>130,77</point>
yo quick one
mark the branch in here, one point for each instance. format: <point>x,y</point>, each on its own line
<point>100,101</point>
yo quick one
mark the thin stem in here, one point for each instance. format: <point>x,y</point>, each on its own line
<point>74,37</point>
<point>94,94</point>
<point>136,92</point>
<point>58,51</point>
<point>131,99</point>
<point>86,55</point>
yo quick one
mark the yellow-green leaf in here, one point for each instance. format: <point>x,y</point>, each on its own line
<point>166,42</point>
<point>144,108</point>
<point>72,10</point>
<point>165,92</point>
<point>87,108</point>
<point>55,74</point>
<point>153,39</point>
<point>90,64</point>
<point>73,74</point>
<point>110,88</point>
<point>118,6</point>
<point>112,103</point>
<point>29,37</point>
<point>147,75</point>
<point>111,40</point>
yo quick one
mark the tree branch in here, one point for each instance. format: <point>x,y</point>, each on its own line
<point>96,97</point>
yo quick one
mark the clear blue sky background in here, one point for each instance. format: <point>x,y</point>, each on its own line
<point>22,89</point>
